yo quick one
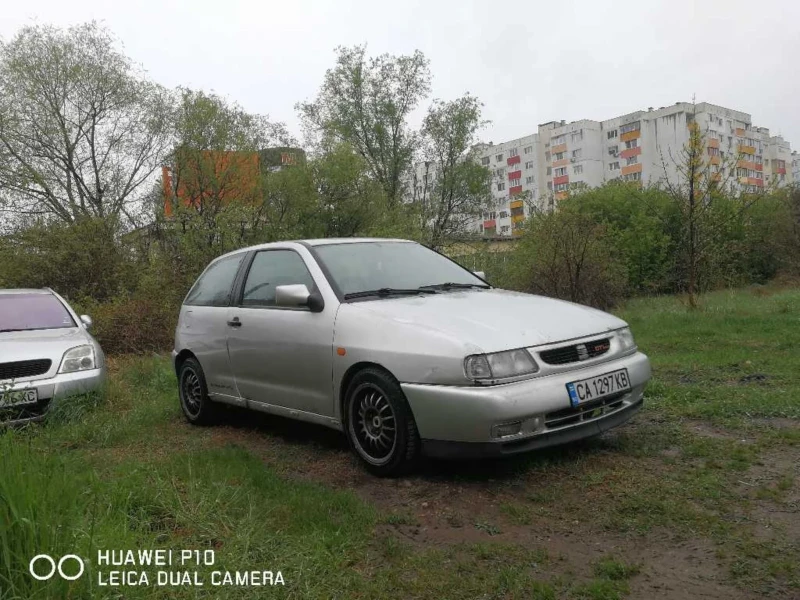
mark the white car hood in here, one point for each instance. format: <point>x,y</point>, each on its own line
<point>495,319</point>
<point>44,343</point>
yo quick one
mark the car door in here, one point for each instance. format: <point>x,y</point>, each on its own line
<point>202,325</point>
<point>280,356</point>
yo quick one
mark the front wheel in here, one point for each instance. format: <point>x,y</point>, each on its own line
<point>197,406</point>
<point>379,423</point>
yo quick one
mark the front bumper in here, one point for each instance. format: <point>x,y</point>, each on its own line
<point>458,421</point>
<point>49,391</point>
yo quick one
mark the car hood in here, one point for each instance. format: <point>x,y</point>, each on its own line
<point>44,343</point>
<point>495,319</point>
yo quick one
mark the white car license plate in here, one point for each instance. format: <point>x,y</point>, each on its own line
<point>17,397</point>
<point>607,384</point>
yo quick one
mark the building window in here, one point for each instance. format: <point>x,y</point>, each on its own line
<point>512,152</point>
<point>577,136</point>
<point>635,126</point>
<point>560,172</point>
<point>529,164</point>
<point>577,169</point>
<point>631,144</point>
<point>529,180</point>
<point>528,149</point>
<point>500,172</point>
<point>503,214</point>
<point>499,158</point>
<point>633,177</point>
<point>576,153</point>
<point>614,166</point>
<point>550,186</point>
<point>562,187</point>
<point>562,139</point>
<point>485,160</point>
<point>612,134</point>
<point>504,229</point>
<point>549,171</point>
<point>713,151</point>
<point>514,182</point>
<point>500,186</point>
<point>560,156</point>
<point>632,160</point>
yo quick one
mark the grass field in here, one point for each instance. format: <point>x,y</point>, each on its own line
<point>699,496</point>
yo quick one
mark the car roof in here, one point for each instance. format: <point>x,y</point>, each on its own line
<point>314,242</point>
<point>25,291</point>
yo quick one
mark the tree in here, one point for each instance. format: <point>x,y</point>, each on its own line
<point>366,102</point>
<point>456,189</point>
<point>704,190</point>
<point>81,129</point>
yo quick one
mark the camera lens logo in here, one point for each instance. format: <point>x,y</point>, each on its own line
<point>53,567</point>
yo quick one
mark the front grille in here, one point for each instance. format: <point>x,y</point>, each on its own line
<point>583,412</point>
<point>575,353</point>
<point>24,368</point>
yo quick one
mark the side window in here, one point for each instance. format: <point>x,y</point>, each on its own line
<point>270,269</point>
<point>214,286</point>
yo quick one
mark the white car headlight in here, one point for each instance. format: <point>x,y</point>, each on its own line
<point>625,338</point>
<point>500,365</point>
<point>80,358</point>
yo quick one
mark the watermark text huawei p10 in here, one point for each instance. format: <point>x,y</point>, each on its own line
<point>153,567</point>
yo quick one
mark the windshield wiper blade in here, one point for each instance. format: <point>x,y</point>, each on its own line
<point>382,292</point>
<point>7,330</point>
<point>450,285</point>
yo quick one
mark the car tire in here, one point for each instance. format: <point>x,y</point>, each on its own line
<point>196,405</point>
<point>379,424</point>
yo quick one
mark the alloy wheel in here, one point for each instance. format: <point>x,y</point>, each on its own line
<point>372,424</point>
<point>192,392</point>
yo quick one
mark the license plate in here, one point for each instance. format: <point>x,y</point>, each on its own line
<point>601,386</point>
<point>17,397</point>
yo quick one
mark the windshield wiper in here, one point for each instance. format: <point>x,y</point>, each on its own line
<point>450,285</point>
<point>7,330</point>
<point>383,292</point>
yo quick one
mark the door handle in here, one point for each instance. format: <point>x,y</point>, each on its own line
<point>235,322</point>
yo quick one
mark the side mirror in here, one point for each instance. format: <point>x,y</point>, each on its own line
<point>297,295</point>
<point>480,274</point>
<point>87,321</point>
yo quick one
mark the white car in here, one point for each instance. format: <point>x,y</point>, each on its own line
<point>46,354</point>
<point>403,350</point>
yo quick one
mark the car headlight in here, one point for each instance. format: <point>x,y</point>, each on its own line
<point>79,358</point>
<point>625,338</point>
<point>500,365</point>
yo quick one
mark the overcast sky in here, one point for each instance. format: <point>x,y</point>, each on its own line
<point>529,62</point>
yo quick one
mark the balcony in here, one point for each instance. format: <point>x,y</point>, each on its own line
<point>514,175</point>
<point>746,149</point>
<point>637,168</point>
<point>513,191</point>
<point>513,160</point>
<point>631,152</point>
<point>713,143</point>
<point>561,180</point>
<point>557,149</point>
<point>516,204</point>
<point>490,224</point>
<point>561,163</point>
<point>631,135</point>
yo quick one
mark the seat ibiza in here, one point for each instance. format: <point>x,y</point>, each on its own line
<point>403,350</point>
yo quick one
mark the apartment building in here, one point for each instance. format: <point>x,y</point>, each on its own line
<point>645,146</point>
<point>515,188</point>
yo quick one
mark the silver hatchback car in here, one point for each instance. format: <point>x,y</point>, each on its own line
<point>46,354</point>
<point>403,350</point>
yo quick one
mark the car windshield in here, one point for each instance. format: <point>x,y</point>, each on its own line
<point>400,266</point>
<point>24,312</point>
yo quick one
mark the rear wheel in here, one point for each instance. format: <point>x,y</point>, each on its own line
<point>193,392</point>
<point>379,423</point>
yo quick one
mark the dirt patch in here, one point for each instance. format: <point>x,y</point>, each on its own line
<point>446,504</point>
